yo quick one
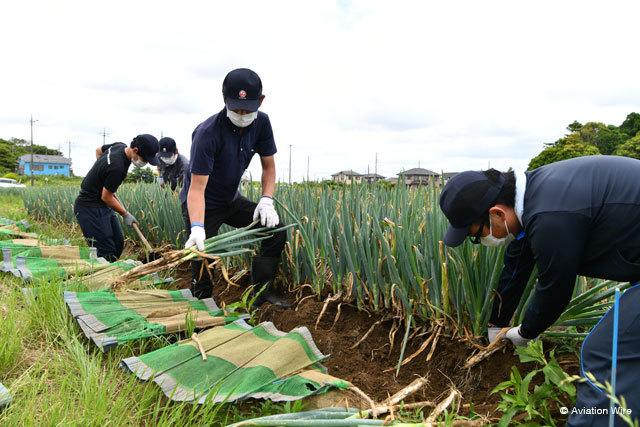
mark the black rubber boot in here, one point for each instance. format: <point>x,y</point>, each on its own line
<point>201,286</point>
<point>263,271</point>
<point>201,290</point>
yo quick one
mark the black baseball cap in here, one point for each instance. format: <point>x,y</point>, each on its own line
<point>464,199</point>
<point>167,147</point>
<point>242,89</point>
<point>147,146</point>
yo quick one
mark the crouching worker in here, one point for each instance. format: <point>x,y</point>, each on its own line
<point>171,164</point>
<point>94,208</point>
<point>574,217</point>
<point>222,148</point>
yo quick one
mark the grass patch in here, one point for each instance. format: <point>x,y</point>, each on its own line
<point>10,342</point>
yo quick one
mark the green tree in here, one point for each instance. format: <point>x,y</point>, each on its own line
<point>609,139</point>
<point>631,125</point>
<point>574,135</point>
<point>141,175</point>
<point>24,147</point>
<point>562,152</point>
<point>631,148</point>
<point>7,157</point>
<point>575,126</point>
<point>589,132</point>
<point>606,138</point>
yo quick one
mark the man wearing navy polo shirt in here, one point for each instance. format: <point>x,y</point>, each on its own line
<point>222,148</point>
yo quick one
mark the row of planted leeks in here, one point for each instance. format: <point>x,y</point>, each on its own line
<point>377,244</point>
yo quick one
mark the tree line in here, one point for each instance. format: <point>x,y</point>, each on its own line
<point>593,138</point>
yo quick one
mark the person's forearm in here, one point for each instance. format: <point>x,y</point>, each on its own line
<point>195,205</point>
<point>546,306</point>
<point>115,204</point>
<point>268,182</point>
<point>518,265</point>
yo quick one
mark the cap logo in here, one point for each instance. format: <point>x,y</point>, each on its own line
<point>242,94</point>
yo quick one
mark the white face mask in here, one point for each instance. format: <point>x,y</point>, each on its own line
<point>491,241</point>
<point>139,163</point>
<point>241,120</point>
<point>170,160</point>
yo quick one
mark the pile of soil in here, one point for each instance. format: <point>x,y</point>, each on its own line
<point>371,366</point>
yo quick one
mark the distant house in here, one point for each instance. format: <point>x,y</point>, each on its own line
<point>448,175</point>
<point>44,165</point>
<point>347,177</point>
<point>372,177</point>
<point>417,176</point>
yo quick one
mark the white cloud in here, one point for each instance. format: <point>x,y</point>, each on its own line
<point>449,85</point>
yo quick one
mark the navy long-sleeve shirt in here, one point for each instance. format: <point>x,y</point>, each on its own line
<point>173,175</point>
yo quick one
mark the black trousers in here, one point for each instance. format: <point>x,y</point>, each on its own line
<point>101,229</point>
<point>238,214</point>
<point>596,358</point>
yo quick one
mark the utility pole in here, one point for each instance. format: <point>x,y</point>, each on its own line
<point>376,167</point>
<point>70,170</point>
<point>104,136</point>
<point>307,168</point>
<point>31,122</point>
<point>289,163</point>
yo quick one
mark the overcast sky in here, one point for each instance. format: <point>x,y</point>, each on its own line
<point>444,85</point>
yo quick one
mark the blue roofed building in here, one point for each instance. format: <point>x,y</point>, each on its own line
<point>44,165</point>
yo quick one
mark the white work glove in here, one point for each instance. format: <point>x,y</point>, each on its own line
<point>266,212</point>
<point>492,332</point>
<point>129,219</point>
<point>514,336</point>
<point>196,238</point>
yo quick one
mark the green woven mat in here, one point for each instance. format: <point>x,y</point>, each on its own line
<point>112,318</point>
<point>241,362</point>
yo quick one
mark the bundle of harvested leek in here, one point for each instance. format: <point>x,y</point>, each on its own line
<point>228,244</point>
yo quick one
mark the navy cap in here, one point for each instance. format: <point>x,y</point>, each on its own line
<point>242,89</point>
<point>147,146</point>
<point>167,147</point>
<point>464,199</point>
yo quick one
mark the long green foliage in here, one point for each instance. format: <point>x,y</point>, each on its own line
<point>379,246</point>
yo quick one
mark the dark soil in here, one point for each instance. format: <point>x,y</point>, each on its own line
<point>371,365</point>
